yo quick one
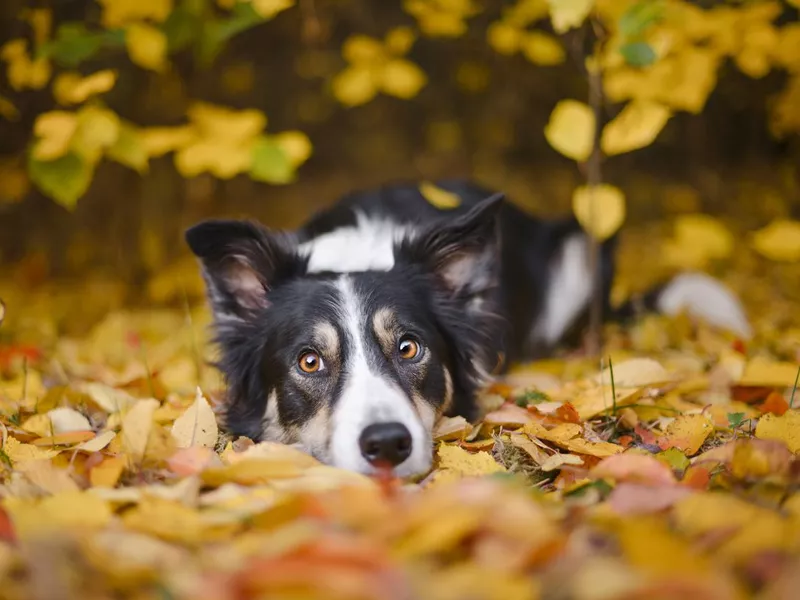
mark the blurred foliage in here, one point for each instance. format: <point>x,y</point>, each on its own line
<point>87,84</point>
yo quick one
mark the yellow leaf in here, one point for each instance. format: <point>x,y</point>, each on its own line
<point>136,427</point>
<point>698,239</point>
<point>220,123</point>
<point>636,372</point>
<point>363,49</point>
<point>49,478</point>
<point>118,13</point>
<point>16,451</point>
<point>72,510</point>
<point>147,46</point>
<point>778,241</point>
<point>98,443</point>
<point>600,211</point>
<point>222,160</point>
<point>785,428</point>
<point>636,126</point>
<point>542,49</point>
<point>399,40</point>
<point>107,473</point>
<point>439,197</point>
<point>41,21</point>
<point>296,146</point>
<point>354,86</point>
<point>402,79</point>
<point>54,131</point>
<point>98,129</point>
<point>38,424</point>
<point>762,372</point>
<point>23,72</point>
<point>557,460</point>
<point>160,140</point>
<point>687,433</point>
<point>571,129</point>
<point>451,428</point>
<point>504,38</point>
<point>568,14</point>
<point>71,88</point>
<point>167,519</point>
<point>461,462</point>
<point>269,8</point>
<point>197,426</point>
<point>252,471</point>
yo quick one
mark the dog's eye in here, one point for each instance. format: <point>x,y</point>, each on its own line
<point>310,362</point>
<point>408,348</point>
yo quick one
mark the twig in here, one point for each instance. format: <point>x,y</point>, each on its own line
<point>794,389</point>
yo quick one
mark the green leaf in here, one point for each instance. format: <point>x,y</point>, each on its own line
<point>635,21</point>
<point>219,31</point>
<point>73,44</point>
<point>531,397</point>
<point>270,163</point>
<point>638,54</point>
<point>64,179</point>
<point>674,459</point>
<point>181,28</point>
<point>128,150</point>
<point>735,419</point>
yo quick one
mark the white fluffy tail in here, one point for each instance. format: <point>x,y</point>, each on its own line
<point>705,298</point>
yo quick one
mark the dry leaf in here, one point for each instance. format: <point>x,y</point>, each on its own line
<point>636,372</point>
<point>64,420</point>
<point>687,433</point>
<point>785,428</point>
<point>197,426</point>
<point>136,427</point>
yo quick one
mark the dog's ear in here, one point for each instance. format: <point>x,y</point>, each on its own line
<point>241,262</point>
<point>462,253</point>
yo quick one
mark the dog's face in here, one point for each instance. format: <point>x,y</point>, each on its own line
<point>354,367</point>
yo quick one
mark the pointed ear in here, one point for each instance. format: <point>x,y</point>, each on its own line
<point>463,253</point>
<point>241,262</point>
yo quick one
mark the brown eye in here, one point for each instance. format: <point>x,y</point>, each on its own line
<point>408,348</point>
<point>310,362</point>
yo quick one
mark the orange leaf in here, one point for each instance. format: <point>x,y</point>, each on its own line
<point>567,412</point>
<point>696,478</point>
<point>775,403</point>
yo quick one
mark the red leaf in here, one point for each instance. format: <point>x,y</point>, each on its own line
<point>696,478</point>
<point>567,412</point>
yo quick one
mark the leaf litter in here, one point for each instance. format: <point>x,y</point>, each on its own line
<point>670,470</point>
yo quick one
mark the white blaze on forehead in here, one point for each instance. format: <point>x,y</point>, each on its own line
<point>367,246</point>
<point>368,398</point>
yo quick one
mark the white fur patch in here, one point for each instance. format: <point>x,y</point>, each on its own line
<point>367,246</point>
<point>369,398</point>
<point>568,292</point>
<point>705,298</point>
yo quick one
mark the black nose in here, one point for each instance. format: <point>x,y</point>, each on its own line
<point>385,443</point>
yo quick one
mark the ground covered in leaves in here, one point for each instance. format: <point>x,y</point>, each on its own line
<point>679,478</point>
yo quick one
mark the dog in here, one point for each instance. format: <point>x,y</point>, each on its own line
<point>352,335</point>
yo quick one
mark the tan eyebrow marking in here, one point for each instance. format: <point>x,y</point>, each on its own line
<point>327,339</point>
<point>384,324</point>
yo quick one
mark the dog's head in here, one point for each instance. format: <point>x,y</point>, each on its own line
<point>355,367</point>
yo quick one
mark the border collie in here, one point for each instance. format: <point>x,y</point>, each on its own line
<point>352,335</point>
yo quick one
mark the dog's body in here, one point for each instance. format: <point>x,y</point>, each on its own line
<point>354,334</point>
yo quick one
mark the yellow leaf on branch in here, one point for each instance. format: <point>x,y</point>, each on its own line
<point>72,88</point>
<point>402,79</point>
<point>600,210</point>
<point>571,129</point>
<point>438,197</point>
<point>569,14</point>
<point>542,49</point>
<point>636,126</point>
<point>23,71</point>
<point>147,46</point>
<point>118,13</point>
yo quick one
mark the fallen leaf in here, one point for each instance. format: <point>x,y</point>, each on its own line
<point>634,468</point>
<point>107,473</point>
<point>785,428</point>
<point>636,372</point>
<point>760,459</point>
<point>556,461</point>
<point>197,426</point>
<point>457,460</point>
<point>768,373</point>
<point>451,428</point>
<point>97,443</point>
<point>687,433</point>
<point>636,499</point>
<point>136,427</point>
<point>778,241</point>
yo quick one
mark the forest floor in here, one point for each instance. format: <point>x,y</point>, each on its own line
<point>680,479</point>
